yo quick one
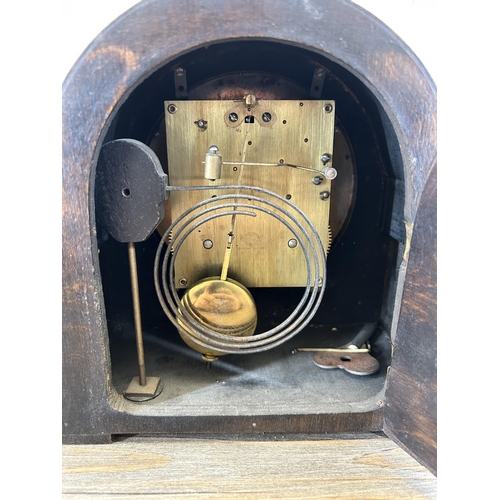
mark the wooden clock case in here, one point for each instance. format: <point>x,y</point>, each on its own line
<point>400,102</point>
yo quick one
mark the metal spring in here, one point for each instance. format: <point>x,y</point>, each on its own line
<point>313,253</point>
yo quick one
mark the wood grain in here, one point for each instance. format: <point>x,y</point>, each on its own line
<point>410,413</point>
<point>369,468</point>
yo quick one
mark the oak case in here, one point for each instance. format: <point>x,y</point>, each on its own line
<point>382,87</point>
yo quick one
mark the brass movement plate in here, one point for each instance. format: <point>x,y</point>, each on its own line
<point>298,133</point>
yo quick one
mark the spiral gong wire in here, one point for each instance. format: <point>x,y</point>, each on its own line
<point>245,205</point>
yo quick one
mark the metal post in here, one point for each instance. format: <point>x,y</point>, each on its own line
<point>141,388</point>
<point>134,281</point>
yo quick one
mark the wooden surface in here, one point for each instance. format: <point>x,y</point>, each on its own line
<point>371,467</point>
<point>410,413</point>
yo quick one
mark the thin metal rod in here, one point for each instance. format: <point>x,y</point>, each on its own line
<point>364,334</point>
<point>227,253</point>
<point>260,164</point>
<point>327,349</point>
<point>134,281</point>
<point>230,234</point>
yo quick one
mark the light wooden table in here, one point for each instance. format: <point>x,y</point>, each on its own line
<point>367,467</point>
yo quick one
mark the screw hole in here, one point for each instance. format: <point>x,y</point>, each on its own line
<point>249,143</point>
<point>282,161</point>
<point>288,196</point>
<point>181,88</point>
<point>306,140</point>
<point>284,122</point>
<point>301,104</point>
<point>126,192</point>
<point>316,88</point>
<point>345,358</point>
<point>235,169</point>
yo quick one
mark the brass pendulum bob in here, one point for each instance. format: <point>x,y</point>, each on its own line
<point>223,306</point>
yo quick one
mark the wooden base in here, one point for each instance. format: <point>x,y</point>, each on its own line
<point>370,467</point>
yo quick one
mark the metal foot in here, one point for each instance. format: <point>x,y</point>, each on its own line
<point>139,393</point>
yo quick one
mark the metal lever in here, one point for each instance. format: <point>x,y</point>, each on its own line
<point>363,336</point>
<point>126,170</point>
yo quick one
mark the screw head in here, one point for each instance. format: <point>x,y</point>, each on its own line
<point>201,123</point>
<point>328,108</point>
<point>179,71</point>
<point>320,72</point>
<point>233,117</point>
<point>317,180</point>
<point>325,158</point>
<point>324,195</point>
<point>292,243</point>
<point>213,149</point>
<point>183,282</point>
<point>266,117</point>
<point>208,244</point>
<point>172,108</point>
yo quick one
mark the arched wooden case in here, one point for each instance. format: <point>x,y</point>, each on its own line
<point>382,94</point>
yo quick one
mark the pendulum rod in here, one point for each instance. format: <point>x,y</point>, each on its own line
<point>230,234</point>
